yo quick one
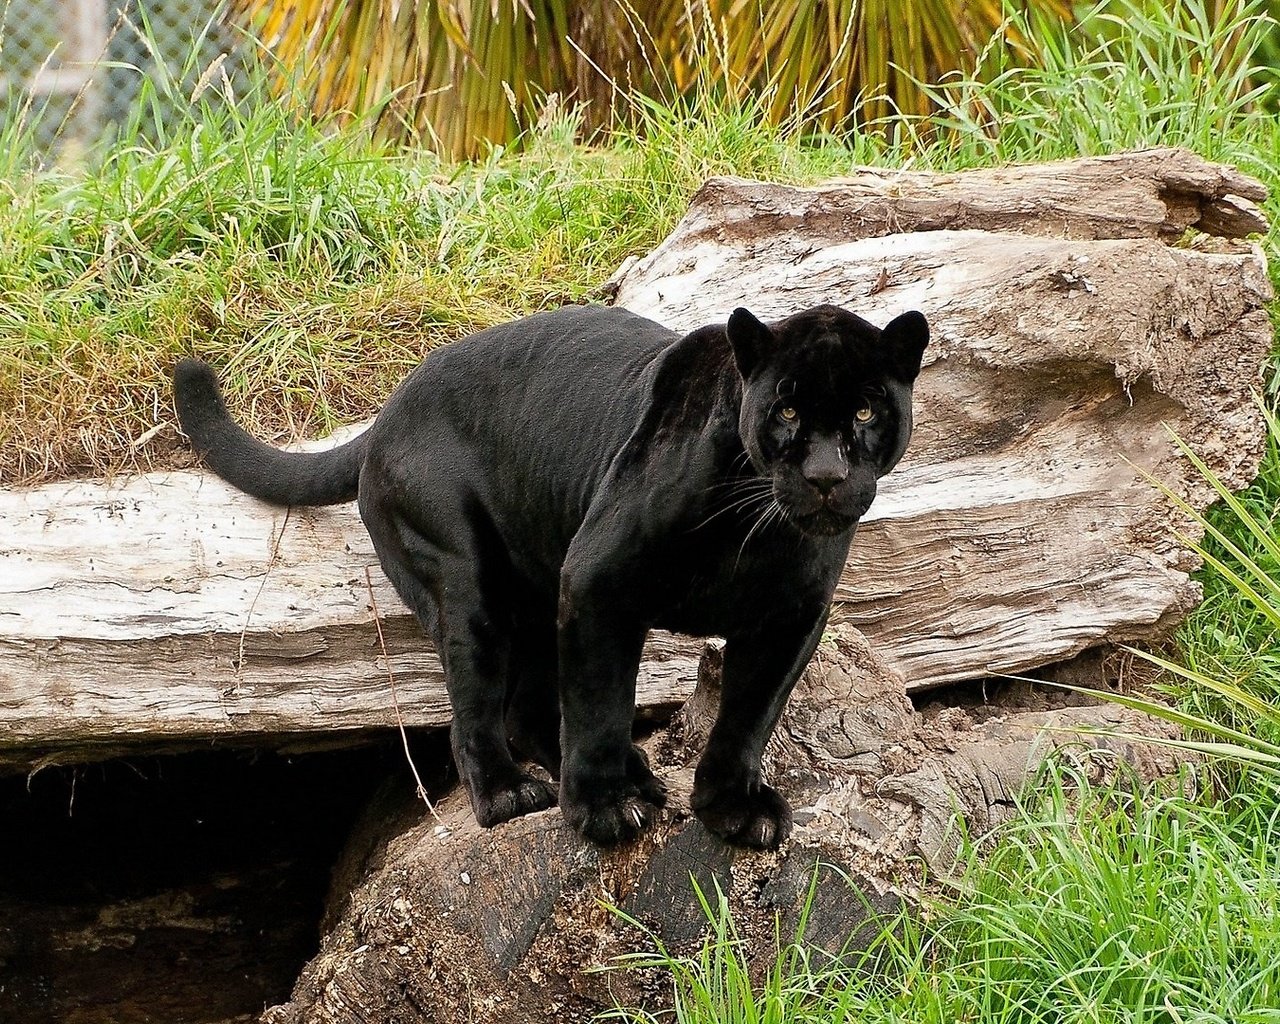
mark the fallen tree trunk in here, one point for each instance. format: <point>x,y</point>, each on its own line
<point>1019,531</point>
<point>172,608</point>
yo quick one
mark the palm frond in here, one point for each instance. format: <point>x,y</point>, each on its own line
<point>462,75</point>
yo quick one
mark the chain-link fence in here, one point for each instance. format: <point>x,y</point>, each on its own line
<point>71,70</point>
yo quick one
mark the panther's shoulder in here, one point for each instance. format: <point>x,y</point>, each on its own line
<point>696,382</point>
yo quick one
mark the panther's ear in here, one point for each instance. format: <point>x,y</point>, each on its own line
<point>751,340</point>
<point>904,341</point>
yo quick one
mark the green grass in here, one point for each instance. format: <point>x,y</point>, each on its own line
<point>1131,74</point>
<point>1232,635</point>
<point>315,267</point>
<point>1097,905</point>
<point>294,255</point>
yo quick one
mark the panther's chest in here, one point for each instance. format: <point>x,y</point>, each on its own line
<point>725,583</point>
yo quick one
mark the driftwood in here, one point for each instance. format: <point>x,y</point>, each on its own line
<point>171,607</point>
<point>1075,314</point>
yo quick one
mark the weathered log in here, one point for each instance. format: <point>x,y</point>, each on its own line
<point>454,922</point>
<point>173,607</point>
<point>1068,332</point>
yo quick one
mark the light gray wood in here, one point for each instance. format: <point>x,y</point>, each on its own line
<point>172,606</point>
<point>1069,334</point>
<point>1073,327</point>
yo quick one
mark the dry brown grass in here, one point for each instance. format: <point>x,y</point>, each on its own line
<point>292,367</point>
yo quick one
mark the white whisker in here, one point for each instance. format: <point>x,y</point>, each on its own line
<point>740,495</point>
<point>772,512</point>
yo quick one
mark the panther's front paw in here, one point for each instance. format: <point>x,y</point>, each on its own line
<point>613,813</point>
<point>522,794</point>
<point>758,817</point>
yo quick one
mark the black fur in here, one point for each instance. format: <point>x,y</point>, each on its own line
<point>543,493</point>
<point>282,478</point>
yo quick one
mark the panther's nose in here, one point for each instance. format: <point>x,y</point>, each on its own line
<point>825,467</point>
<point>826,483</point>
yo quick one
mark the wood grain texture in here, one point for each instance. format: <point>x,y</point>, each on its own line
<point>1069,336</point>
<point>172,606</point>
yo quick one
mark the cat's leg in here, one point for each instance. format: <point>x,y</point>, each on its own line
<point>440,581</point>
<point>475,651</point>
<point>607,791</point>
<point>761,667</point>
<point>533,710</point>
<point>533,694</point>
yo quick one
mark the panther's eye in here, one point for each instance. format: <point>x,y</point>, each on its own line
<point>865,415</point>
<point>788,414</point>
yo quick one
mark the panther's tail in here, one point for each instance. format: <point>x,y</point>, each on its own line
<point>282,478</point>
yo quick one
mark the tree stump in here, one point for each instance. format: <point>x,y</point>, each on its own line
<point>455,922</point>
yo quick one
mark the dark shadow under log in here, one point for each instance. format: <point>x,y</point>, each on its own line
<point>186,888</point>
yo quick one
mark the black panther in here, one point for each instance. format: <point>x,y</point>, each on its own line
<point>543,493</point>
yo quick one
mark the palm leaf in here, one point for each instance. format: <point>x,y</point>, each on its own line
<point>447,71</point>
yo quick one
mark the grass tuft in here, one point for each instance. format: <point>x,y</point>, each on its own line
<point>1096,904</point>
<point>1127,74</point>
<point>312,265</point>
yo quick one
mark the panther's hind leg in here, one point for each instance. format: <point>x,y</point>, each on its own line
<point>533,708</point>
<point>441,584</point>
<point>533,695</point>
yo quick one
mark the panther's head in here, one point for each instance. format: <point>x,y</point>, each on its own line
<point>826,407</point>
